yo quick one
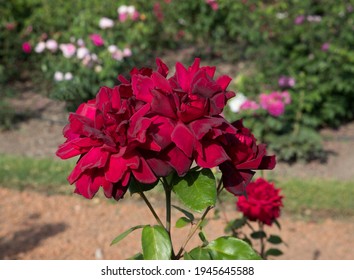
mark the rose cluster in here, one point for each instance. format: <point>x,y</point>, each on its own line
<point>263,202</point>
<point>151,125</point>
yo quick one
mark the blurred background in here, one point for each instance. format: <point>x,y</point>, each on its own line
<point>292,65</point>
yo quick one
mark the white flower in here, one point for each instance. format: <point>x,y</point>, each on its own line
<point>127,52</point>
<point>130,10</point>
<point>118,55</point>
<point>58,76</point>
<point>39,47</point>
<point>122,9</point>
<point>236,102</point>
<point>112,48</point>
<point>98,68</point>
<point>106,23</point>
<point>51,45</point>
<point>282,15</point>
<point>68,76</point>
<point>82,52</point>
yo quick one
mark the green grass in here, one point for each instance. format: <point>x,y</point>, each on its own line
<point>302,197</point>
<point>334,198</point>
<point>43,175</point>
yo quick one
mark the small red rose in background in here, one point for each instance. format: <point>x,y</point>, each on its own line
<point>263,202</point>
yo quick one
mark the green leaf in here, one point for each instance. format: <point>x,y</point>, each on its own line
<point>236,224</point>
<point>258,234</point>
<point>274,239</point>
<point>197,189</point>
<point>203,238</point>
<point>124,234</point>
<point>188,214</point>
<point>277,224</point>
<point>136,187</point>
<point>273,252</point>
<point>138,256</point>
<point>198,253</point>
<point>156,243</point>
<point>182,222</point>
<point>230,248</point>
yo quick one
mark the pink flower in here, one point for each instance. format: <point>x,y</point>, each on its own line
<point>10,26</point>
<point>52,45</point>
<point>263,202</point>
<point>68,49</point>
<point>249,105</point>
<point>125,12</point>
<point>97,40</point>
<point>286,82</point>
<point>213,4</point>
<point>299,19</point>
<point>26,47</point>
<point>127,52</point>
<point>275,102</point>
<point>325,47</point>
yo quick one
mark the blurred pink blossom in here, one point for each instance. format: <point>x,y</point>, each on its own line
<point>127,52</point>
<point>213,4</point>
<point>10,26</point>
<point>275,102</point>
<point>97,40</point>
<point>249,105</point>
<point>286,82</point>
<point>52,45</point>
<point>299,19</point>
<point>158,12</point>
<point>68,49</point>
<point>26,47</point>
<point>118,55</point>
<point>58,76</point>
<point>325,47</point>
<point>125,12</point>
<point>105,23</point>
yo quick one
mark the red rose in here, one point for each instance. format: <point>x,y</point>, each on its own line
<point>262,203</point>
<point>150,125</point>
<point>108,133</point>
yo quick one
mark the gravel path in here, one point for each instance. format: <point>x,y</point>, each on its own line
<point>35,226</point>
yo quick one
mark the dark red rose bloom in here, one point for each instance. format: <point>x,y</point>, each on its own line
<point>263,202</point>
<point>107,133</point>
<point>245,156</point>
<point>151,125</point>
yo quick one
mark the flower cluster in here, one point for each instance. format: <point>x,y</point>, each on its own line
<point>151,125</point>
<point>213,4</point>
<point>275,102</point>
<point>263,202</point>
<point>127,12</point>
<point>286,82</point>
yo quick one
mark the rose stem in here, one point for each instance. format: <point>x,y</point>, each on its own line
<point>151,208</point>
<point>168,191</point>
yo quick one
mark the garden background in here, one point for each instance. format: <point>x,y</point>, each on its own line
<point>56,54</point>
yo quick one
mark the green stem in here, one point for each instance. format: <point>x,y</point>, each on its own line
<point>262,253</point>
<point>168,192</point>
<point>147,202</point>
<point>192,232</point>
